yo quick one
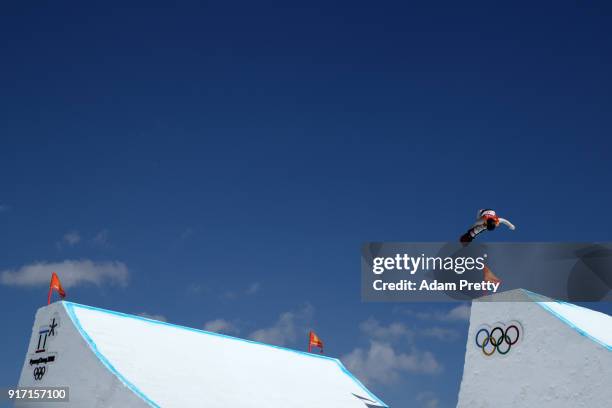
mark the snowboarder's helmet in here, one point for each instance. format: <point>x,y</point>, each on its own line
<point>486,213</point>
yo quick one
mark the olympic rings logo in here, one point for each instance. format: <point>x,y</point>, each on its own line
<point>499,338</point>
<point>39,373</point>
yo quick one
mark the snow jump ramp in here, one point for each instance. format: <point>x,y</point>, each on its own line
<point>110,359</point>
<point>524,350</point>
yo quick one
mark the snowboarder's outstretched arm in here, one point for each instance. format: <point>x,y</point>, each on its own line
<point>507,223</point>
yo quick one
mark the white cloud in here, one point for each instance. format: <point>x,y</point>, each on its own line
<point>287,329</point>
<point>197,289</point>
<point>71,238</point>
<point>101,238</point>
<point>393,332</point>
<point>159,317</point>
<point>221,326</point>
<point>457,314</point>
<point>439,333</point>
<point>461,312</point>
<point>253,288</point>
<point>70,272</point>
<point>428,399</point>
<point>381,363</point>
<point>392,352</point>
<point>228,295</point>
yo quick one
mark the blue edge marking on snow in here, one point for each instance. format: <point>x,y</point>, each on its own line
<point>543,303</point>
<point>70,306</point>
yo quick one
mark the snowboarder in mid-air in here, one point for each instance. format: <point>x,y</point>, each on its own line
<point>487,220</point>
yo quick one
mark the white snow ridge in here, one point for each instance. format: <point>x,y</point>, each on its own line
<point>551,354</point>
<point>110,359</point>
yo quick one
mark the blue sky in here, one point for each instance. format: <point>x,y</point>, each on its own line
<point>221,164</point>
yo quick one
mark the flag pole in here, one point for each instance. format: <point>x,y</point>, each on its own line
<point>310,341</point>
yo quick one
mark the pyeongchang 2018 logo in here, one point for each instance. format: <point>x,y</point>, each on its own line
<point>499,338</point>
<point>41,358</point>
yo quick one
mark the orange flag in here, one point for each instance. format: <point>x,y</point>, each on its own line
<point>57,286</point>
<point>314,341</point>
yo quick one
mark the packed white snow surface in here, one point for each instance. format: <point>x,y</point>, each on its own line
<point>110,359</point>
<point>561,357</point>
<point>595,325</point>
